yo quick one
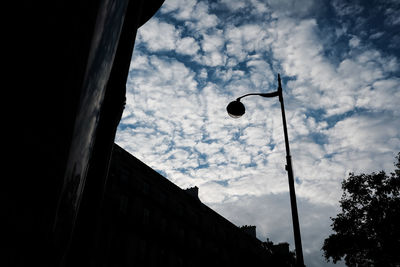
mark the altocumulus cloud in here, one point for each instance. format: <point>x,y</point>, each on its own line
<point>340,67</point>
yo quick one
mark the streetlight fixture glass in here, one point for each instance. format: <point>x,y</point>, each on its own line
<point>235,109</point>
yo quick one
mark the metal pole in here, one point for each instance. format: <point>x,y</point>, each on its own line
<point>289,169</point>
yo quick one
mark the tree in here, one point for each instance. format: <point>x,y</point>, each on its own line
<point>280,254</point>
<point>367,231</point>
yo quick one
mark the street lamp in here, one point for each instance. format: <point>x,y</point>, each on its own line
<point>236,109</point>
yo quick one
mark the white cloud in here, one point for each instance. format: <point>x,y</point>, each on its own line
<point>213,47</point>
<point>202,19</point>
<point>194,13</point>
<point>203,74</point>
<point>187,46</point>
<point>259,7</point>
<point>362,143</point>
<point>161,36</point>
<point>182,9</point>
<point>354,41</point>
<point>158,35</point>
<point>323,84</point>
<point>245,39</point>
<point>260,73</point>
<point>381,95</point>
<point>392,16</point>
<point>376,35</point>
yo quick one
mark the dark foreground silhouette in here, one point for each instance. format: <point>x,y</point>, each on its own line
<point>67,63</point>
<point>367,230</point>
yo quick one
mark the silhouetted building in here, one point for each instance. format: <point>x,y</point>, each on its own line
<point>249,229</point>
<point>149,221</point>
<point>66,69</point>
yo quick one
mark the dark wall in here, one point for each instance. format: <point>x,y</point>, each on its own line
<point>66,74</point>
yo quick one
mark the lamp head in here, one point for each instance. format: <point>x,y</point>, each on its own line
<point>235,109</point>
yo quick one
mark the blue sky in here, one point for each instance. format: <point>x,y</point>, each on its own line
<point>339,61</point>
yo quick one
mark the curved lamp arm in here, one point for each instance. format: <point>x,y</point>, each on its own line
<point>273,94</point>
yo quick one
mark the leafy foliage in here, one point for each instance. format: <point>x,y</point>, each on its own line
<point>280,254</point>
<point>367,231</point>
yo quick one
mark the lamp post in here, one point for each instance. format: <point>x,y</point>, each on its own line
<point>236,109</point>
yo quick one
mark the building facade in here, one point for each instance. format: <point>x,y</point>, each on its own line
<point>72,94</point>
<point>149,221</point>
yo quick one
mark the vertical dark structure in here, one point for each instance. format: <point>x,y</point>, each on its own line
<point>292,192</point>
<point>236,109</point>
<point>68,68</point>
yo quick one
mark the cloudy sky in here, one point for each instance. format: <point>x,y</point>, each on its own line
<point>339,61</point>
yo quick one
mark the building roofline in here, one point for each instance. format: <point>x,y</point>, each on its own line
<point>181,191</point>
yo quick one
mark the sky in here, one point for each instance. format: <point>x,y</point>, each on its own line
<point>340,69</point>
